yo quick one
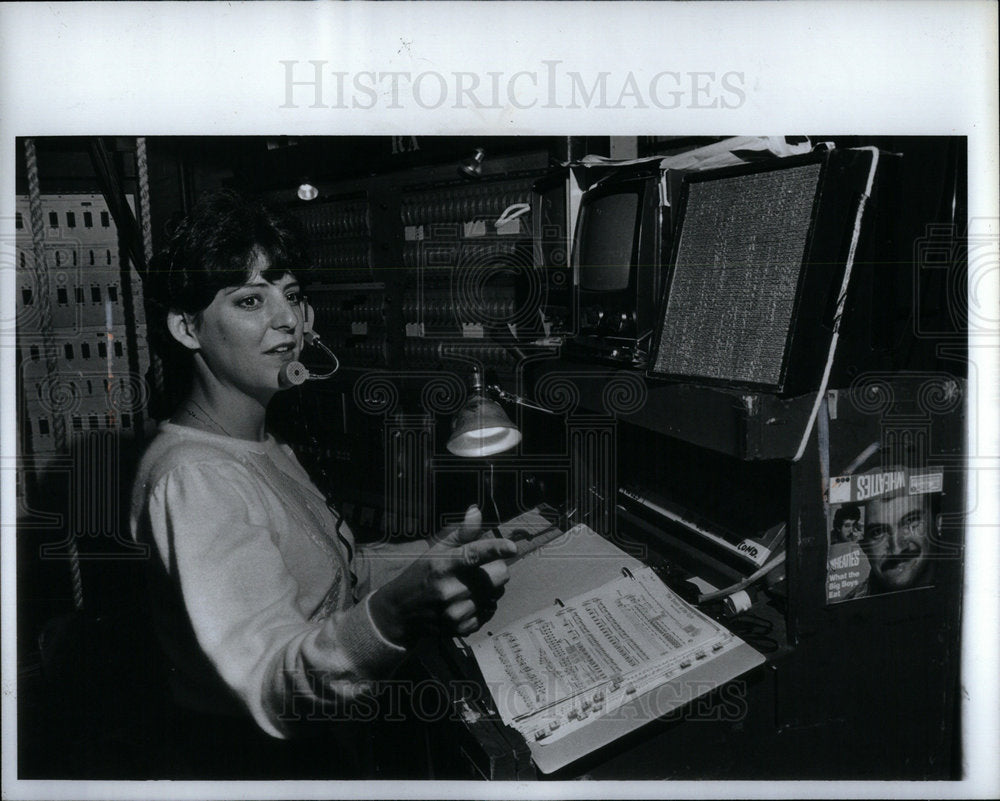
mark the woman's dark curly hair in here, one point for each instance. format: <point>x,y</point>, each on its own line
<point>215,246</point>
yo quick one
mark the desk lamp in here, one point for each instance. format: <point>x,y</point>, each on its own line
<point>472,167</point>
<point>481,427</point>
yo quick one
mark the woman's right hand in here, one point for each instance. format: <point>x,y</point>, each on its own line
<point>452,589</point>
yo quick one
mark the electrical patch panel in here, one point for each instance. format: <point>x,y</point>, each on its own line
<point>86,369</point>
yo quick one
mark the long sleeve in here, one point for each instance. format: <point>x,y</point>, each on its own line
<point>378,564</point>
<point>246,579</point>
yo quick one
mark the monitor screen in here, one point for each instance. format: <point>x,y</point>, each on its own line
<point>607,241</point>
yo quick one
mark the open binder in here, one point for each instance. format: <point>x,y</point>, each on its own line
<point>588,644</point>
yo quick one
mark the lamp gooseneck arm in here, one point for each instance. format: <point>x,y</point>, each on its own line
<point>510,397</point>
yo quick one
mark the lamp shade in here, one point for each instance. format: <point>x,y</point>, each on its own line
<point>307,191</point>
<point>482,428</point>
<point>473,166</point>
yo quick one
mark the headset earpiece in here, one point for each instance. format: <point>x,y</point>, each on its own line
<point>307,321</point>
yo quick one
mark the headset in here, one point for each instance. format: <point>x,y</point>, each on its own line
<point>294,374</point>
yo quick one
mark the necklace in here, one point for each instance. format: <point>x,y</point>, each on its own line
<point>207,419</point>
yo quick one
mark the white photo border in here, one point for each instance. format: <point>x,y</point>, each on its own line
<point>839,66</point>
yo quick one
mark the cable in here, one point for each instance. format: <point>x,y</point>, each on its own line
<point>860,459</point>
<point>512,212</point>
<point>778,559</point>
<point>755,630</point>
<point>841,301</point>
<point>157,374</point>
<point>493,499</point>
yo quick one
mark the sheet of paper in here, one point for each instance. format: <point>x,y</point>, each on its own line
<point>586,656</point>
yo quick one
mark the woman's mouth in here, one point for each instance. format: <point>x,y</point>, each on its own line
<point>286,348</point>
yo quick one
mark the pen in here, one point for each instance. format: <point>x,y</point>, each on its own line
<point>537,540</point>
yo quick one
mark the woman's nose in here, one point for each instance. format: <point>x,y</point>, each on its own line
<point>286,315</point>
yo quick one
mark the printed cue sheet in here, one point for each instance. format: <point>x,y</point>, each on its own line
<point>552,672</point>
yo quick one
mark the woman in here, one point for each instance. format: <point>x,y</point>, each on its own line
<point>264,606</point>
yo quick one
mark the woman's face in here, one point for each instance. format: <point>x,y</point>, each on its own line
<point>248,332</point>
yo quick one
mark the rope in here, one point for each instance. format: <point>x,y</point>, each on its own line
<point>41,277</point>
<point>144,215</point>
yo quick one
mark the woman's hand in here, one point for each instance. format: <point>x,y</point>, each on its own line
<point>451,589</point>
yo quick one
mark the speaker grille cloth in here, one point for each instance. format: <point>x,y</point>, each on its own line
<point>732,294</point>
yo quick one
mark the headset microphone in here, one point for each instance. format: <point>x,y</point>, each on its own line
<point>295,374</point>
<point>292,375</point>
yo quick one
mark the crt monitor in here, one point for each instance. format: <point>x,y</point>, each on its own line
<point>616,256</point>
<point>607,241</point>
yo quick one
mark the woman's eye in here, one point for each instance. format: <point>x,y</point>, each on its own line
<point>293,297</point>
<point>249,302</point>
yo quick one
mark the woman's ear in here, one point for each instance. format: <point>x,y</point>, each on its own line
<point>182,328</point>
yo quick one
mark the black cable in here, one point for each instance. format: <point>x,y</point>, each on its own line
<point>754,630</point>
<point>114,195</point>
